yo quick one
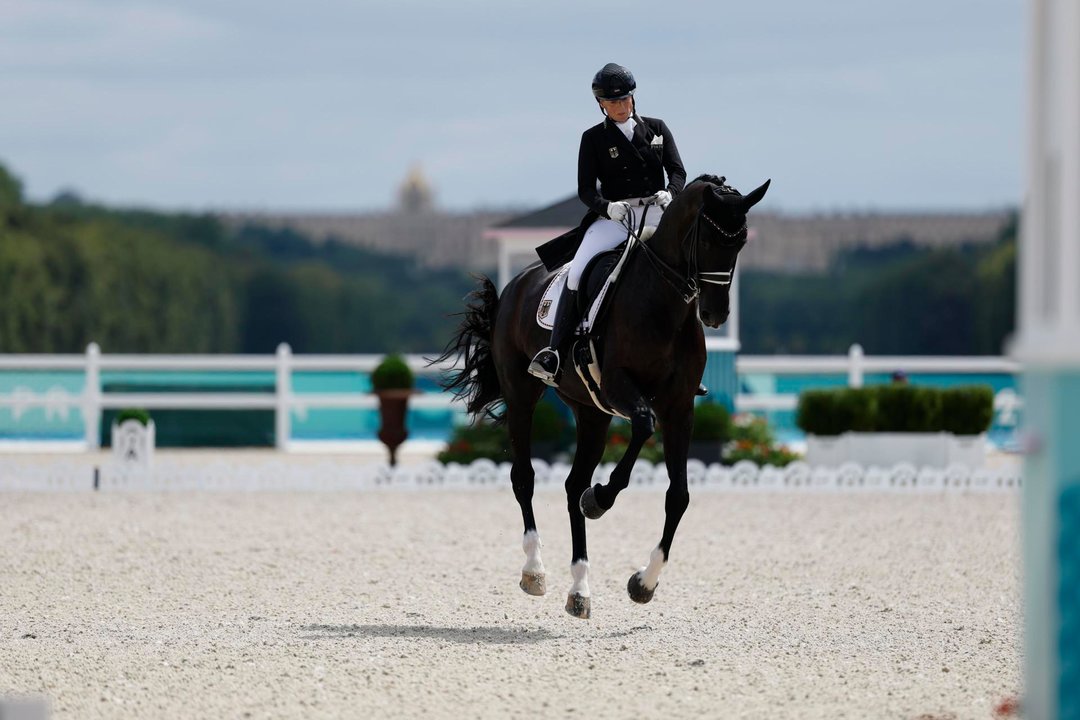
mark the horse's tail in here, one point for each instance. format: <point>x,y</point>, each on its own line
<point>476,381</point>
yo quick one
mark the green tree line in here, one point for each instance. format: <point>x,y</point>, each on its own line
<point>145,282</point>
<point>897,300</point>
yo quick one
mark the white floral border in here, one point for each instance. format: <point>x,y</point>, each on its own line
<point>317,475</point>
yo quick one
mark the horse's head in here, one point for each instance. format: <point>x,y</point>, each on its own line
<point>715,244</point>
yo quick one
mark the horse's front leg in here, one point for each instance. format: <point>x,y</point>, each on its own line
<point>591,435</point>
<point>677,428</point>
<point>625,397</point>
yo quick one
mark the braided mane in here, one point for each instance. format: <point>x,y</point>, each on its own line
<point>719,181</point>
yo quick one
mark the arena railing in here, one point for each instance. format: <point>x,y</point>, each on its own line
<point>92,401</point>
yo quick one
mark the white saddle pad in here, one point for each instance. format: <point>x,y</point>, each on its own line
<point>549,302</point>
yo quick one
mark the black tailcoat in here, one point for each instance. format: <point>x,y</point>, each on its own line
<point>611,168</point>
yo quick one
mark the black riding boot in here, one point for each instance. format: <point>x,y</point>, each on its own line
<point>546,364</point>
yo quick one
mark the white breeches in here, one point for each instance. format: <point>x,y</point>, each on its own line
<point>603,235</point>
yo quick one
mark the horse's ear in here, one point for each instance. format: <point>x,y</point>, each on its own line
<point>755,197</point>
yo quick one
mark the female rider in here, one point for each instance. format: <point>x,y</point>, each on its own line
<point>621,166</point>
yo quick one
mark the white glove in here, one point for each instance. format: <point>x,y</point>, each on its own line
<point>618,210</point>
<point>663,199</point>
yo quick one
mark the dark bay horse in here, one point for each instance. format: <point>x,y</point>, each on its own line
<point>652,358</point>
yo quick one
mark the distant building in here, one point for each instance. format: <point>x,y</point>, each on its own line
<point>779,242</point>
<point>483,240</point>
<point>436,238</point>
<point>415,195</point>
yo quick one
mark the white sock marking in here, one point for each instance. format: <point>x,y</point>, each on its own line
<point>531,545</point>
<point>651,575</point>
<point>580,572</point>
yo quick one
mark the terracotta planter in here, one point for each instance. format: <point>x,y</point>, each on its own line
<point>393,408</point>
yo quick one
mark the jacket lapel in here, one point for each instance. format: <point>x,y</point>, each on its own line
<point>619,141</point>
<point>642,137</point>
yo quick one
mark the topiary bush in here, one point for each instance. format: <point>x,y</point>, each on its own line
<point>967,410</point>
<point>712,423</point>
<point>137,414</point>
<point>392,373</point>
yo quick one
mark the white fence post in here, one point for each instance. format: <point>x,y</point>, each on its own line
<point>855,366</point>
<point>283,388</point>
<point>92,397</point>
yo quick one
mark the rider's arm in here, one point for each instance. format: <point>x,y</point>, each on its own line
<point>587,174</point>
<point>676,173</point>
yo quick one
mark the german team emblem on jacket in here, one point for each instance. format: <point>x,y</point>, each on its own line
<point>545,307</point>
<point>613,152</point>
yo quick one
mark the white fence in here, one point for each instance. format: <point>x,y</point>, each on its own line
<point>283,401</point>
<point>856,365</point>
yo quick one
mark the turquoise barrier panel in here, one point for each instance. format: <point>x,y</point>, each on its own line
<point>1052,543</point>
<point>1069,600</point>
<point>721,379</point>
<point>53,421</point>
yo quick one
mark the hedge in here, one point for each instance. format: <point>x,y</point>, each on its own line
<point>965,410</point>
<point>712,423</point>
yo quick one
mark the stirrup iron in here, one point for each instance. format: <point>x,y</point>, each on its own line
<point>536,368</point>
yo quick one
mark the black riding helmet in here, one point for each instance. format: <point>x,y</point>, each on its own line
<point>613,82</point>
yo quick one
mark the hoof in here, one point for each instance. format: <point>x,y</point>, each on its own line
<point>533,584</point>
<point>578,606</point>
<point>589,507</point>
<point>637,591</point>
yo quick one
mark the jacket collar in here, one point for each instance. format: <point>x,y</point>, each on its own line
<point>615,135</point>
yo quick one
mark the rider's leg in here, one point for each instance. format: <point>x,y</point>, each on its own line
<point>601,235</point>
<point>545,365</point>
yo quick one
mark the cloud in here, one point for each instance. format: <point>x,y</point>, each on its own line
<point>240,103</point>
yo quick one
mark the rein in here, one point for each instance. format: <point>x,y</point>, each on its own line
<point>688,287</point>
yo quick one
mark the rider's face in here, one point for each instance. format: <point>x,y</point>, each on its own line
<point>618,110</point>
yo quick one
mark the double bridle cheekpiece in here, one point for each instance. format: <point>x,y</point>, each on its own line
<point>688,286</point>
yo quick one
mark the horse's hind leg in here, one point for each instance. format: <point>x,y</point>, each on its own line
<point>591,436</point>
<point>520,405</point>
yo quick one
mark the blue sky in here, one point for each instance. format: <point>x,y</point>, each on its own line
<point>319,105</point>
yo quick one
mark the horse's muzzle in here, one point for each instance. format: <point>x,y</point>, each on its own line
<point>712,320</point>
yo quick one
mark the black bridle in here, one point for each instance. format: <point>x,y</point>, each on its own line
<point>688,286</point>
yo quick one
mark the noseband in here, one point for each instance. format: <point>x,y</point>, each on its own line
<point>688,286</point>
